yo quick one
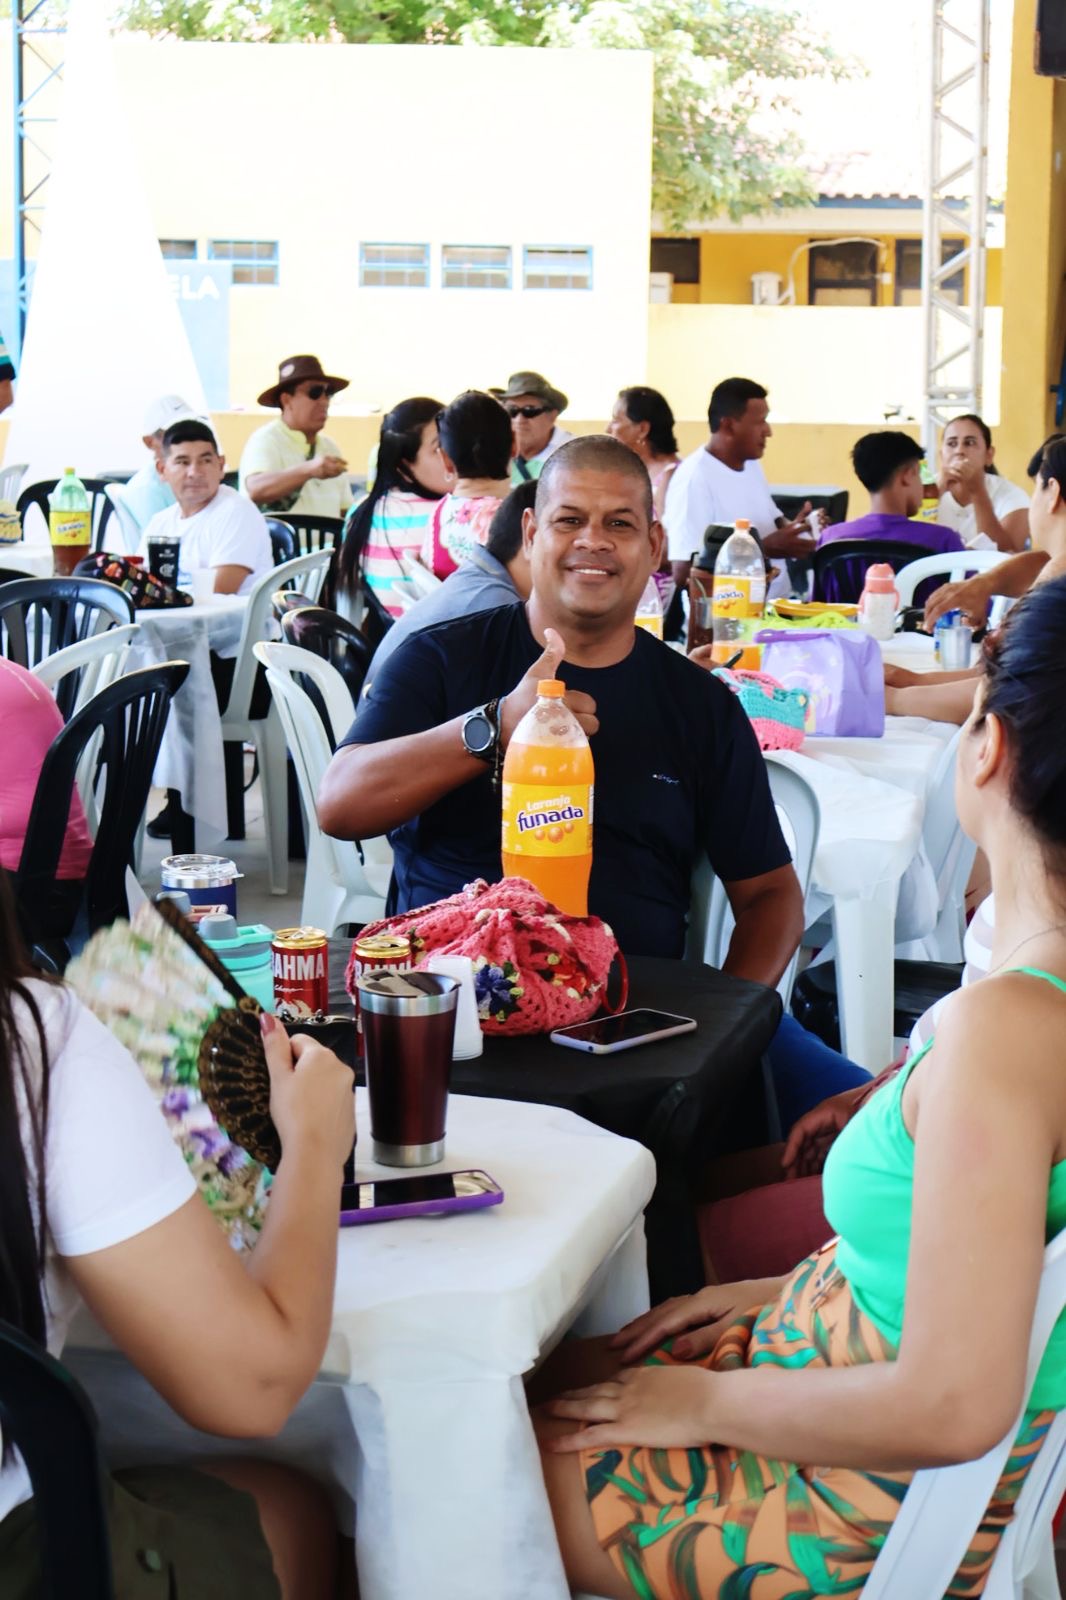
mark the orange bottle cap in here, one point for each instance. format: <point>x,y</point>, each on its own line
<point>552,688</point>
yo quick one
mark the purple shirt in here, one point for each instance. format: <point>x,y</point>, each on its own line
<point>931,538</point>
<point>881,525</point>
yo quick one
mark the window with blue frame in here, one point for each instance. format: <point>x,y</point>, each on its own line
<point>254,260</point>
<point>554,266</point>
<point>394,266</point>
<point>476,266</point>
<point>178,249</point>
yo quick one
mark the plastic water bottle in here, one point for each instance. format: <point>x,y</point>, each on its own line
<point>547,802</point>
<point>650,610</point>
<point>879,601</point>
<point>245,952</point>
<point>738,597</point>
<point>929,510</point>
<point>69,523</point>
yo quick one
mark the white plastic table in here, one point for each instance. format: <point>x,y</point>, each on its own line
<point>34,559</point>
<point>419,1415</point>
<point>872,794</point>
<point>190,756</point>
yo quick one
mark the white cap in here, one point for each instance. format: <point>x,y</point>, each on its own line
<point>167,409</point>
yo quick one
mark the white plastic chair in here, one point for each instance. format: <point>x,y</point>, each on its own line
<point>266,733</point>
<point>11,480</point>
<point>338,887</point>
<point>951,854</point>
<point>128,525</point>
<point>711,921</point>
<point>952,567</point>
<point>420,579</point>
<point>101,659</point>
<point>943,1506</point>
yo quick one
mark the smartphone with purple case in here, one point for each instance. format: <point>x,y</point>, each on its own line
<point>426,1195</point>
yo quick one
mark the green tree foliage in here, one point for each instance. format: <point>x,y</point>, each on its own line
<point>723,70</point>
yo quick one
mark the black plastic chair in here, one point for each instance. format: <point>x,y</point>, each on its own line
<point>47,1414</point>
<point>918,985</point>
<point>335,639</point>
<point>100,506</point>
<point>284,600</point>
<point>39,616</point>
<point>315,533</point>
<point>840,567</point>
<point>791,498</point>
<point>130,716</point>
<point>377,619</point>
<point>282,540</point>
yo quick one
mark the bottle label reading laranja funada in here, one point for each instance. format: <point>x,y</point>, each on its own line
<point>69,527</point>
<point>539,820</point>
<point>737,596</point>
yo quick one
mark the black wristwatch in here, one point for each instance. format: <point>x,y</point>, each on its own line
<point>481,732</point>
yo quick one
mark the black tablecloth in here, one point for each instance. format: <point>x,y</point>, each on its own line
<point>682,1098</point>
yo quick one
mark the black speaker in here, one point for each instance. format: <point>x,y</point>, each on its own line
<point>1050,55</point>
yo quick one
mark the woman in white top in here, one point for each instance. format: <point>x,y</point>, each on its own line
<point>988,512</point>
<point>97,1204</point>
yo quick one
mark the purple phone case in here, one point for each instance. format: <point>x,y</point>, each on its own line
<point>425,1208</point>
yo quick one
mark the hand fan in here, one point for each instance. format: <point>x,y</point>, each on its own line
<point>195,1035</point>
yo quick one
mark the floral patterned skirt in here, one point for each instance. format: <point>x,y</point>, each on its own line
<point>723,1524</point>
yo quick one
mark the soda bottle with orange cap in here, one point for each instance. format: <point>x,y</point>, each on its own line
<point>547,801</point>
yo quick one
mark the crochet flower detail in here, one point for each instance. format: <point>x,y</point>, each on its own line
<point>566,973</point>
<point>498,989</point>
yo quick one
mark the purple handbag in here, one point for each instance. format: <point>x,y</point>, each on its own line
<point>840,669</point>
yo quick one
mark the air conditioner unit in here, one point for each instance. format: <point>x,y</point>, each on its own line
<point>765,288</point>
<point>660,288</point>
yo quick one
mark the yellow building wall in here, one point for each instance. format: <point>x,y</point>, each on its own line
<point>821,364</point>
<point>728,261</point>
<point>322,147</point>
<point>1034,257</point>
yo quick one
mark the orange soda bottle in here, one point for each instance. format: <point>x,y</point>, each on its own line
<point>547,802</point>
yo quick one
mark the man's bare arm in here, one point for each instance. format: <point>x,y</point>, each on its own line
<point>370,788</point>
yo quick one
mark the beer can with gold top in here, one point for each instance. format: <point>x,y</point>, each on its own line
<point>300,959</point>
<point>388,952</point>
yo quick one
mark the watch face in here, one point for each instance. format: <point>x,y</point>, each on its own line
<point>477,733</point>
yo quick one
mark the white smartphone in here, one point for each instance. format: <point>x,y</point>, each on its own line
<point>624,1031</point>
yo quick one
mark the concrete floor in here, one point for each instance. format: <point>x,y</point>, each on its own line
<point>255,903</point>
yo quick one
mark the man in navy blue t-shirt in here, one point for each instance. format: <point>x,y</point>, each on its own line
<point>678,770</point>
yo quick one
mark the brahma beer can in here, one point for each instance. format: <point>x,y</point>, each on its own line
<point>300,959</point>
<point>389,952</point>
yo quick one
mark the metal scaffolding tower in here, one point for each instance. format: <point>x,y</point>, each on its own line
<point>955,213</point>
<point>37,31</point>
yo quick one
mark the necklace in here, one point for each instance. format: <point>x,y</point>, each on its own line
<point>1058,927</point>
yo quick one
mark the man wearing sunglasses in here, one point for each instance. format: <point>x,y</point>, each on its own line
<point>290,464</point>
<point>533,405</point>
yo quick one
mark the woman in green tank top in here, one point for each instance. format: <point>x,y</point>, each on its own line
<point>755,1440</point>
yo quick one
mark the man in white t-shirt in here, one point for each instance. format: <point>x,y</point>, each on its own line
<point>218,527</point>
<point>723,480</point>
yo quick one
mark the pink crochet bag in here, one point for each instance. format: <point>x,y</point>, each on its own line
<point>535,968</point>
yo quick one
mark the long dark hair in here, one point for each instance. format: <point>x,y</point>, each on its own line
<point>648,405</point>
<point>986,433</point>
<point>399,444</point>
<point>475,432</point>
<point>23,1105</point>
<point>1025,685</point>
